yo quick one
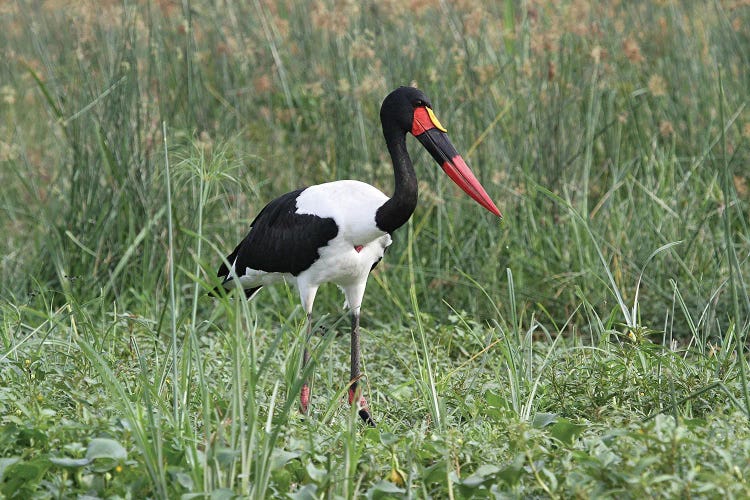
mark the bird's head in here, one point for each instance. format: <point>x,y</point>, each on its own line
<point>399,106</point>
<point>409,109</point>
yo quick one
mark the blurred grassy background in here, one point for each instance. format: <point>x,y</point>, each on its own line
<point>612,135</point>
<point>631,112</point>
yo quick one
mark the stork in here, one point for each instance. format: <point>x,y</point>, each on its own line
<point>337,232</point>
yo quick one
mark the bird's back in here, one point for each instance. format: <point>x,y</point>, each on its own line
<point>281,240</point>
<point>351,204</point>
<point>288,235</point>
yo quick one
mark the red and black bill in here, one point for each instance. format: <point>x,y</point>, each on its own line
<point>428,130</point>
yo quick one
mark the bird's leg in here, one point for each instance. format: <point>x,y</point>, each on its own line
<point>307,296</point>
<point>355,392</point>
<point>304,395</point>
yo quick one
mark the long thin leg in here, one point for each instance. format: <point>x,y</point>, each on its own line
<point>304,395</point>
<point>307,296</point>
<point>355,393</point>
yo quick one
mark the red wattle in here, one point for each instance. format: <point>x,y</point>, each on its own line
<point>421,122</point>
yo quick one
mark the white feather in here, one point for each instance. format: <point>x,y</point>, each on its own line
<point>352,205</point>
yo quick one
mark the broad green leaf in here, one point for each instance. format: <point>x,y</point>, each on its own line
<point>5,463</point>
<point>70,462</point>
<point>512,473</point>
<point>542,420</point>
<point>223,494</point>
<point>388,438</point>
<point>23,475</point>
<point>183,479</point>
<point>279,457</point>
<point>495,400</point>
<point>225,456</point>
<point>435,473</point>
<point>482,474</point>
<point>384,489</point>
<point>566,431</point>
<point>317,475</point>
<point>105,448</point>
<point>307,492</point>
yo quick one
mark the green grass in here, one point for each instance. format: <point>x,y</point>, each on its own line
<point>593,344</point>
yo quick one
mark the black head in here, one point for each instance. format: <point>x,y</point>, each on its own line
<point>398,107</point>
<point>407,109</point>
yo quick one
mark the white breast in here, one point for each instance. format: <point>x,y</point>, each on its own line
<point>340,262</point>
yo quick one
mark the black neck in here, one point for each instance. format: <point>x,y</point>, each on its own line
<point>395,212</point>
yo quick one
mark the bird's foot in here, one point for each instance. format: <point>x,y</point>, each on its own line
<point>323,330</point>
<point>367,418</point>
<point>364,408</point>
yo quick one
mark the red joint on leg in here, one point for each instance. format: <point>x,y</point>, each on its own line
<point>304,398</point>
<point>363,404</point>
<point>362,401</point>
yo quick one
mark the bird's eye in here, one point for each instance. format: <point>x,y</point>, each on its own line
<point>419,103</point>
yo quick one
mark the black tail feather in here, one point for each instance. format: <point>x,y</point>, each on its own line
<point>221,290</point>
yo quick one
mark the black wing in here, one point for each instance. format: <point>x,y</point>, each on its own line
<point>281,240</point>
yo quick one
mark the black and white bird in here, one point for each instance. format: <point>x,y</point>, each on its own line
<point>337,232</point>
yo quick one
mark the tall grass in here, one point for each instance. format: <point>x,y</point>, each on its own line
<point>138,139</point>
<point>622,168</point>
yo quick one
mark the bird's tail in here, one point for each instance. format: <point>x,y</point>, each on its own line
<point>221,290</point>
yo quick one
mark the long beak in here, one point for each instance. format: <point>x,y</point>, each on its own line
<point>428,130</point>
